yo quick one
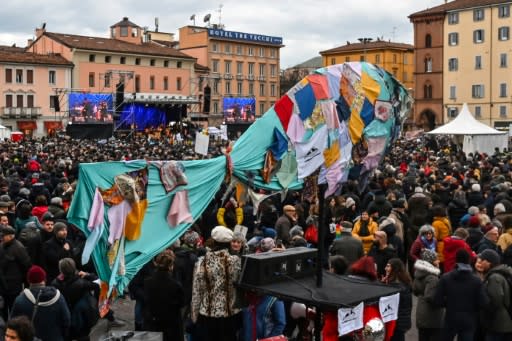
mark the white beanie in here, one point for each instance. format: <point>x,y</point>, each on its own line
<point>475,188</point>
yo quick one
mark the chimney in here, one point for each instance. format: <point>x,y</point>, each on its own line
<point>29,42</point>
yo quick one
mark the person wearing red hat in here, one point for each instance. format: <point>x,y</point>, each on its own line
<point>45,306</point>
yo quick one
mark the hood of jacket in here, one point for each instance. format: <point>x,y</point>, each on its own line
<point>501,269</point>
<point>423,268</point>
<point>452,244</point>
<point>47,296</point>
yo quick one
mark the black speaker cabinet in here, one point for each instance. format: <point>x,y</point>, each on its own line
<point>268,267</point>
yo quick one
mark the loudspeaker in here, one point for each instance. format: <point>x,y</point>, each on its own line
<point>119,94</point>
<point>207,91</point>
<point>56,103</point>
<point>269,267</point>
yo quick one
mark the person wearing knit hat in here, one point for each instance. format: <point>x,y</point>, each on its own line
<point>267,244</point>
<point>215,275</point>
<point>51,318</point>
<point>55,249</point>
<point>190,239</point>
<point>349,202</point>
<point>237,244</point>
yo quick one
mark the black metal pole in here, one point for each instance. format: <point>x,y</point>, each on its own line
<point>320,256</point>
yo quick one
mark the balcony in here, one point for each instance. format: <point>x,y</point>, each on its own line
<point>12,112</point>
<point>215,75</point>
<point>261,78</point>
<point>250,77</point>
<point>240,77</point>
<point>228,76</point>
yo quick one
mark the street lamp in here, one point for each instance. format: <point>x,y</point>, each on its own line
<point>364,41</point>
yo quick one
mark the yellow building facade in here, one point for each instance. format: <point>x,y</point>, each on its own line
<point>477,65</point>
<point>396,58</point>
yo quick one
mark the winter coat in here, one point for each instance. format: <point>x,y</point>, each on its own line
<point>163,300</point>
<point>381,205</point>
<point>463,295</point>
<point>475,235</point>
<point>416,248</point>
<point>53,252</point>
<point>495,316</point>
<point>52,318</point>
<point>451,245</point>
<point>381,257</point>
<point>348,246</point>
<point>270,318</point>
<point>426,277</point>
<point>57,211</point>
<point>213,294</point>
<point>399,224</point>
<point>456,210</point>
<point>367,240</point>
<point>14,264</point>
<point>283,227</point>
<point>475,198</point>
<point>442,229</point>
<point>505,239</point>
<point>485,244</point>
<point>404,321</point>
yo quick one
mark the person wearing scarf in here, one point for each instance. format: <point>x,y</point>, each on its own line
<point>425,240</point>
<point>364,230</point>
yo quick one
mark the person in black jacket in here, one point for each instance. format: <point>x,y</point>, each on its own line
<point>381,252</point>
<point>163,300</point>
<point>55,249</point>
<point>396,274</point>
<point>463,295</point>
<point>80,291</point>
<point>14,264</point>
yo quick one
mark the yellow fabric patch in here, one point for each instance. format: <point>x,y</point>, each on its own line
<point>132,226</point>
<point>332,154</point>
<point>371,87</point>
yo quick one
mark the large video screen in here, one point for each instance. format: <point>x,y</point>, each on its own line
<point>239,109</point>
<point>90,108</point>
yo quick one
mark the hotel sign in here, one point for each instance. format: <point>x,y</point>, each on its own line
<point>258,38</point>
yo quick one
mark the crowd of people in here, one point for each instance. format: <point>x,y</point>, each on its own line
<point>432,221</point>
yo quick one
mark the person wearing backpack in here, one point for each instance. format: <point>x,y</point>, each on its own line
<point>496,317</point>
<point>30,237</point>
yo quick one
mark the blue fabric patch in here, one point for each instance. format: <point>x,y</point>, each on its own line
<point>306,101</point>
<point>280,145</point>
<point>367,112</point>
<point>342,108</point>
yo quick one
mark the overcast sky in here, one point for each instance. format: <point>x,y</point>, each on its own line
<point>306,26</point>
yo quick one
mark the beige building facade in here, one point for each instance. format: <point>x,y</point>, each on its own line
<point>477,62</point>
<point>240,64</point>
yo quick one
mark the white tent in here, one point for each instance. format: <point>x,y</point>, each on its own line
<point>477,135</point>
<point>4,132</point>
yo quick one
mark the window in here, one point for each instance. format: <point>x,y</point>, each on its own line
<point>333,61</point>
<point>406,60</point>
<point>273,53</point>
<point>215,107</point>
<point>134,32</point>
<point>122,60</point>
<point>250,51</point>
<point>273,89</point>
<point>53,100</point>
<point>453,18</point>
<point>262,70</point>
<point>453,92</point>
<point>362,58</point>
<point>227,88</point>
<point>108,59</point>
<point>428,40</point>
<point>273,69</point>
<point>166,83</point>
<point>178,64</point>
<point>478,36</point>
<point>453,64</point>
<point>227,48</point>
<point>215,48</point>
<point>504,11</point>
<point>262,89</point>
<point>178,83</point>
<point>503,111</point>
<point>427,91</point>
<point>137,83</point>
<point>8,75</point>
<point>239,50</point>
<point>19,76</point>
<point>152,82</point>
<point>239,68</point>
<point>216,87</point>
<point>503,90</point>
<point>8,101</point>
<point>503,60</point>
<point>478,14</point>
<point>19,101</point>
<point>453,38</point>
<point>215,65</point>
<point>478,62</point>
<point>404,76</point>
<point>478,111</point>
<point>227,66</point>
<point>477,91</point>
<point>262,52</point>
<point>124,31</point>
<point>452,112</point>
<point>107,80</point>
<point>428,64</point>
<point>239,88</point>
<point>92,58</point>
<point>30,101</point>
<point>152,62</point>
<point>251,69</point>
<point>377,58</point>
<point>251,89</point>
<point>347,59</point>
<point>137,61</point>
<point>262,108</point>
<point>503,33</point>
<point>91,79</point>
<point>30,76</point>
